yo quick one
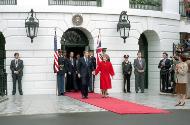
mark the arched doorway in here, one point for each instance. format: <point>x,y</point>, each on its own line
<point>3,75</point>
<point>143,47</point>
<point>149,45</point>
<point>75,40</point>
<point>2,52</point>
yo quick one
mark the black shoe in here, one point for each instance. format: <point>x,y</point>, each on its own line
<point>129,91</point>
<point>86,97</point>
<point>136,91</point>
<point>21,93</point>
<point>142,91</point>
<point>13,93</point>
<point>124,91</point>
<point>62,94</point>
<point>178,104</point>
<point>182,104</point>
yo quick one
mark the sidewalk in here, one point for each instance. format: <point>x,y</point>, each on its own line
<point>47,104</point>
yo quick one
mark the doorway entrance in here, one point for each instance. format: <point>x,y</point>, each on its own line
<point>143,47</point>
<point>74,40</point>
<point>77,50</point>
<point>3,75</point>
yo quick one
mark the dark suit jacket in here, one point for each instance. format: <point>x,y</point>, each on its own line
<point>137,65</point>
<point>93,59</point>
<point>164,68</point>
<point>19,68</point>
<point>126,67</point>
<point>83,69</point>
<point>72,68</point>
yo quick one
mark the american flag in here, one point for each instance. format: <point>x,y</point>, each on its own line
<point>98,49</point>
<point>56,65</point>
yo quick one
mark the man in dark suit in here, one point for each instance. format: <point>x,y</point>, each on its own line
<point>17,73</point>
<point>92,79</point>
<point>85,68</point>
<point>78,80</point>
<point>71,77</point>
<point>139,70</point>
<point>164,67</point>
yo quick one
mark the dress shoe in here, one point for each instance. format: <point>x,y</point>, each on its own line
<point>182,104</point>
<point>178,104</point>
<point>86,97</point>
<point>129,91</point>
<point>21,93</point>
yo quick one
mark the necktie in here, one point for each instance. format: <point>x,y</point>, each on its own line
<point>86,61</point>
<point>16,62</point>
<point>71,61</point>
<point>140,62</point>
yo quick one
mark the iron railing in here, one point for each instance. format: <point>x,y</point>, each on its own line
<point>97,3</point>
<point>184,9</point>
<point>146,4</point>
<point>8,2</point>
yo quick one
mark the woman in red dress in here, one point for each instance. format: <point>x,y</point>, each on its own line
<point>106,70</point>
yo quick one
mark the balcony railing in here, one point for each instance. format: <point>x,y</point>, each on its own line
<point>184,9</point>
<point>97,3</point>
<point>8,2</point>
<point>146,4</point>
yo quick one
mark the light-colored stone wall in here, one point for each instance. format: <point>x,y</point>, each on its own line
<point>160,28</point>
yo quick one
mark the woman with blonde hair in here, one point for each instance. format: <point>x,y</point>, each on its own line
<point>181,80</point>
<point>105,69</point>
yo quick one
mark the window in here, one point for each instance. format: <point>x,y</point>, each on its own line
<point>184,8</point>
<point>97,3</point>
<point>8,2</point>
<point>146,4</point>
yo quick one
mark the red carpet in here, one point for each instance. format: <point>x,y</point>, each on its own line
<point>116,105</point>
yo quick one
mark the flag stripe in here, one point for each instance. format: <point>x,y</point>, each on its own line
<point>98,49</point>
<point>56,65</point>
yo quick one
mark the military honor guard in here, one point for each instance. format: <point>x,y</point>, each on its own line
<point>127,71</point>
<point>61,74</point>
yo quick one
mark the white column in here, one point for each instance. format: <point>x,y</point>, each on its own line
<point>170,6</point>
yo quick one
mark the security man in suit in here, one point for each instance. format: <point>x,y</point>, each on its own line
<point>85,68</point>
<point>127,71</point>
<point>92,79</point>
<point>72,70</point>
<point>139,70</point>
<point>164,67</point>
<point>16,67</point>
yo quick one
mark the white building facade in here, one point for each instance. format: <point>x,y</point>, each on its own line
<point>155,30</point>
